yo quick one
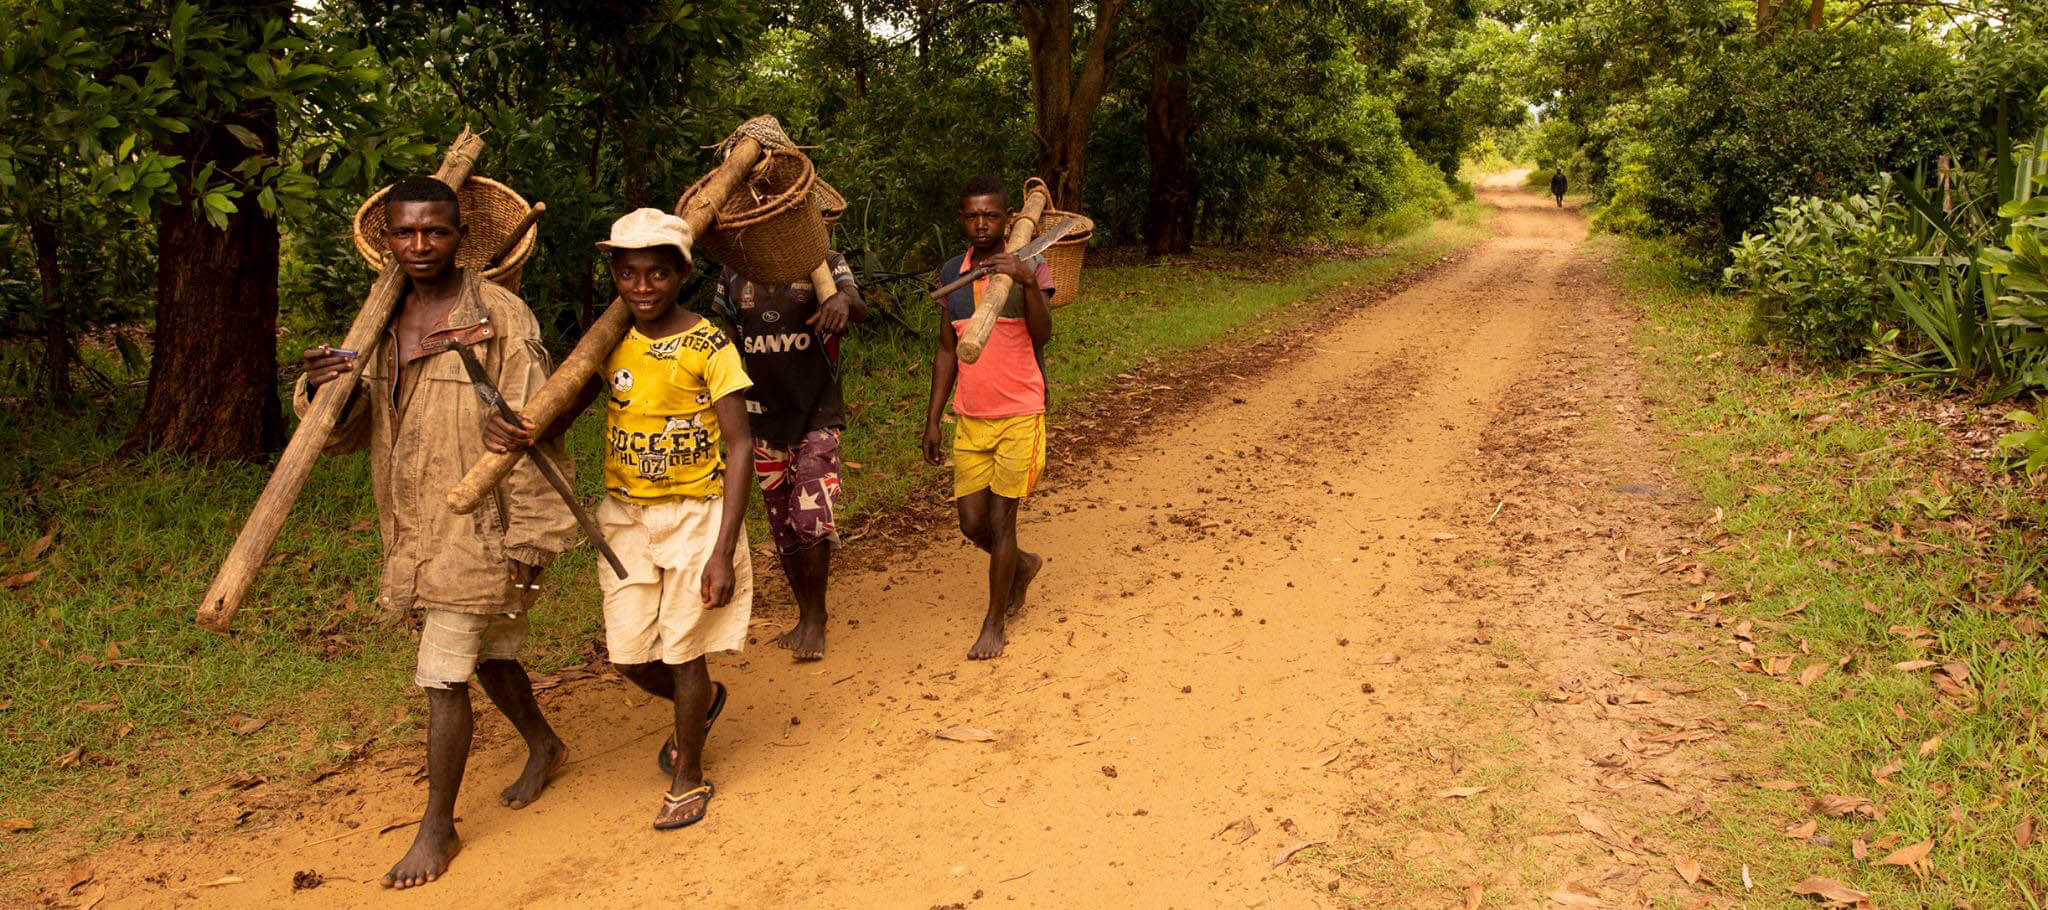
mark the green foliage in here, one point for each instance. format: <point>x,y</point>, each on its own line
<point>1813,273</point>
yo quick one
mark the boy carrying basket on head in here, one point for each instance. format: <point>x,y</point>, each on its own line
<point>677,458</point>
<point>999,400</point>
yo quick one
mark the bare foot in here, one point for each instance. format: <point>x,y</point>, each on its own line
<point>429,857</point>
<point>1028,565</point>
<point>990,644</point>
<point>806,641</point>
<point>540,764</point>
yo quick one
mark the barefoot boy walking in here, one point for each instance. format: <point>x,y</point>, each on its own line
<point>472,578</point>
<point>998,401</point>
<point>789,342</point>
<point>677,458</point>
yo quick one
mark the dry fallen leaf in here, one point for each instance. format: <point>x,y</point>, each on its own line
<point>1829,891</point>
<point>1887,769</point>
<point>13,582</point>
<point>1910,855</point>
<point>1688,869</point>
<point>1859,849</point>
<point>18,824</point>
<point>1836,806</point>
<point>1607,831</point>
<point>1386,658</point>
<point>1460,792</point>
<point>1804,830</point>
<point>41,546</point>
<point>249,725</point>
<point>1573,899</point>
<point>224,880</point>
<point>1911,665</point>
<point>1808,675</point>
<point>1927,748</point>
<point>1288,853</point>
<point>1475,897</point>
<point>967,735</point>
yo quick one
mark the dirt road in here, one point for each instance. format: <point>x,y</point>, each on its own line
<point>1392,565</point>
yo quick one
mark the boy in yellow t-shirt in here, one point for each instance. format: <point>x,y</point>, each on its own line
<point>677,462</point>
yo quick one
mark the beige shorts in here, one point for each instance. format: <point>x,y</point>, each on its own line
<point>657,611</point>
<point>451,644</point>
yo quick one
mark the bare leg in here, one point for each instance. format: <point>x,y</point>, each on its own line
<point>449,727</point>
<point>808,570</point>
<point>1003,559</point>
<point>691,683</point>
<point>506,683</point>
<point>976,525</point>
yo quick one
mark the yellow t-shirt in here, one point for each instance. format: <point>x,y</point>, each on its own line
<point>661,435</point>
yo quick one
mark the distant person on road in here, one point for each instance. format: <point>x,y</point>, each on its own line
<point>473,581</point>
<point>1557,186</point>
<point>677,458</point>
<point>998,403</point>
<point>789,342</point>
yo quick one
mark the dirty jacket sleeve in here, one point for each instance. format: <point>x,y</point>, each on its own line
<point>539,525</point>
<point>352,431</point>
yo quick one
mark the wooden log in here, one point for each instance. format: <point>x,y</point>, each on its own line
<point>990,306</point>
<point>562,389</point>
<point>252,545</point>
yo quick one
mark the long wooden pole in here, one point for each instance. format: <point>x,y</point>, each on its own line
<point>566,385</point>
<point>252,545</point>
<point>990,306</point>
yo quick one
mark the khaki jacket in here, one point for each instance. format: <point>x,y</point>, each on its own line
<point>423,434</point>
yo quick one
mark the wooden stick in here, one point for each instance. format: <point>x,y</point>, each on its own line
<point>526,223</point>
<point>595,347</point>
<point>990,306</point>
<point>252,545</point>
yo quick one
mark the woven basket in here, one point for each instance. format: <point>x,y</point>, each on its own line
<point>769,230</point>
<point>831,205</point>
<point>1065,257</point>
<point>489,209</point>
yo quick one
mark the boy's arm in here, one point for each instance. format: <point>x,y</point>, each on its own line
<point>944,367</point>
<point>501,435</point>
<point>739,478</point>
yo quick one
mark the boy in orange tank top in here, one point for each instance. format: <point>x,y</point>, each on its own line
<point>998,402</point>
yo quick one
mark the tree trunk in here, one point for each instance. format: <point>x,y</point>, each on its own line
<point>1063,102</point>
<point>1169,121</point>
<point>1813,14</point>
<point>1763,15</point>
<point>56,328</point>
<point>213,378</point>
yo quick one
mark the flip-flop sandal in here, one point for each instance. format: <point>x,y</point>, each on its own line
<point>665,757</point>
<point>669,819</point>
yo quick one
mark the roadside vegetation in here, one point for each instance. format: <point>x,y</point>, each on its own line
<point>1888,632</point>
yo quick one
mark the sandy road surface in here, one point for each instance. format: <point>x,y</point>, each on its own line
<point>1392,564</point>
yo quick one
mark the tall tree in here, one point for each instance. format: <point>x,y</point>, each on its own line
<point>1064,92</point>
<point>1169,125</point>
<point>220,81</point>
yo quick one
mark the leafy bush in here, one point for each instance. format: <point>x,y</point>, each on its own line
<point>1815,274</point>
<point>1628,190</point>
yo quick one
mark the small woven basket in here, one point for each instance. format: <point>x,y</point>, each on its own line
<point>490,210</point>
<point>831,205</point>
<point>1064,258</point>
<point>769,230</point>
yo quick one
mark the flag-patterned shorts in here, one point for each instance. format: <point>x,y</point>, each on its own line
<point>798,486</point>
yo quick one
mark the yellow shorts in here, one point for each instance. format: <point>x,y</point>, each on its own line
<point>1003,455</point>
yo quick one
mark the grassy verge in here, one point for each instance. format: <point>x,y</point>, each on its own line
<point>111,698</point>
<point>1891,585</point>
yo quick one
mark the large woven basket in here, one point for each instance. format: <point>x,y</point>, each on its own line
<point>831,205</point>
<point>769,230</point>
<point>489,209</point>
<point>1065,257</point>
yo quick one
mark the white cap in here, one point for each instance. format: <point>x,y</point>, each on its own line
<point>642,229</point>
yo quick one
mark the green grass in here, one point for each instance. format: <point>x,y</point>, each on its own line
<point>1851,501</point>
<point>111,698</point>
